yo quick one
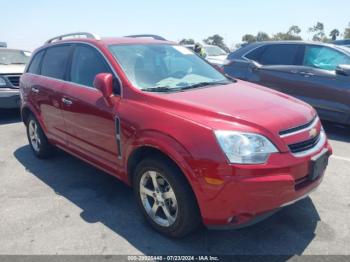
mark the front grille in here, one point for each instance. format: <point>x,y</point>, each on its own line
<point>298,128</point>
<point>305,145</point>
<point>14,80</point>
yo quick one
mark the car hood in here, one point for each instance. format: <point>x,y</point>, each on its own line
<point>12,69</point>
<point>241,103</point>
<point>217,59</point>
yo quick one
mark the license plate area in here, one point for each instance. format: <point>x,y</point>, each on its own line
<point>318,164</point>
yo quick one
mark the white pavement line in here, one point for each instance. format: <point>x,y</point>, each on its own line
<point>341,158</point>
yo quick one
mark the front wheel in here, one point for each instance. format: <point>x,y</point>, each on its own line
<point>37,139</point>
<point>165,198</point>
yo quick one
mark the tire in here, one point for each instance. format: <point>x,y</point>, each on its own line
<point>37,139</point>
<point>174,197</point>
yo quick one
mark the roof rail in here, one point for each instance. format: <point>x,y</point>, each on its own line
<point>73,35</point>
<point>3,44</point>
<point>156,37</point>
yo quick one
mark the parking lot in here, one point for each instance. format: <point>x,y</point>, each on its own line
<point>64,206</point>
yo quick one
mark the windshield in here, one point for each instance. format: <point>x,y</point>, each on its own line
<point>161,67</point>
<point>214,51</point>
<point>8,57</point>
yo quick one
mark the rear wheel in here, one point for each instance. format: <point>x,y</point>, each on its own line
<point>165,198</point>
<point>37,139</point>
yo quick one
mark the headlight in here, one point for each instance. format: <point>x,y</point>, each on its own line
<point>2,82</point>
<point>245,148</point>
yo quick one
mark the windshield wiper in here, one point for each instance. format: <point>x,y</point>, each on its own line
<point>161,89</point>
<point>203,84</point>
<point>172,89</point>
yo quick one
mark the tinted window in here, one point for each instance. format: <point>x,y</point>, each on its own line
<point>256,54</point>
<point>324,58</point>
<point>34,67</point>
<point>86,64</point>
<point>55,62</point>
<point>279,55</point>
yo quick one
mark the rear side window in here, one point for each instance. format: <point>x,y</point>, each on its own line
<point>34,67</point>
<point>55,61</point>
<point>279,55</point>
<point>86,64</point>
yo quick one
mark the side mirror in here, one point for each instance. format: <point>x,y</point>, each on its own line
<point>343,70</point>
<point>255,65</point>
<point>104,83</point>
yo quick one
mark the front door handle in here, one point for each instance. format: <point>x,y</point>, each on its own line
<point>67,101</point>
<point>306,74</point>
<point>35,90</point>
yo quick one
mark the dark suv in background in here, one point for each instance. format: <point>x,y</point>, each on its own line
<point>317,73</point>
<point>344,42</point>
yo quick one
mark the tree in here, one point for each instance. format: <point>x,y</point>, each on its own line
<point>334,34</point>
<point>318,31</point>
<point>292,34</point>
<point>347,32</point>
<point>216,40</point>
<point>189,41</point>
<point>248,38</point>
<point>262,36</point>
<point>286,37</point>
<point>294,30</point>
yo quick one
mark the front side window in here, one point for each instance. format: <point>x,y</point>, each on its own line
<point>14,57</point>
<point>283,54</point>
<point>256,54</point>
<point>324,58</point>
<point>34,67</point>
<point>55,61</point>
<point>156,67</point>
<point>86,64</point>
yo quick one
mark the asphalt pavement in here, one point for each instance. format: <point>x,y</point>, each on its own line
<point>65,206</point>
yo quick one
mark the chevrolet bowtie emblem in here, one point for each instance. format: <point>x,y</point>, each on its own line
<point>313,133</point>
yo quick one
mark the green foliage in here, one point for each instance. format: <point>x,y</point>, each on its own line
<point>318,31</point>
<point>189,41</point>
<point>292,34</point>
<point>216,40</point>
<point>248,38</point>
<point>347,33</point>
<point>334,34</point>
<point>262,36</point>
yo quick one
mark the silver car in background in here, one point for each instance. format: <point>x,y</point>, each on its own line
<point>12,64</point>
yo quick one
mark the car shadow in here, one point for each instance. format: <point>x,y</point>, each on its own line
<point>103,198</point>
<point>9,116</point>
<point>336,131</point>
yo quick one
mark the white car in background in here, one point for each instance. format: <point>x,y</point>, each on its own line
<point>215,55</point>
<point>12,65</point>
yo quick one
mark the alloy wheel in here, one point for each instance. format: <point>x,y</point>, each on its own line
<point>34,135</point>
<point>158,198</point>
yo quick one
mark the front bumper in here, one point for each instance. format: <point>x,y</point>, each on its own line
<point>252,193</point>
<point>9,98</point>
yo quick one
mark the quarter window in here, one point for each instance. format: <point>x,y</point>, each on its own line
<point>324,58</point>
<point>34,67</point>
<point>86,64</point>
<point>55,62</point>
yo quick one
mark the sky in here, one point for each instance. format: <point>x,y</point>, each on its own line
<point>28,24</point>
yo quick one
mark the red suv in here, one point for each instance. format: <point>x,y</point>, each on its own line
<point>196,146</point>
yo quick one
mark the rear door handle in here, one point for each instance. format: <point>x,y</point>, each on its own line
<point>35,90</point>
<point>67,101</point>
